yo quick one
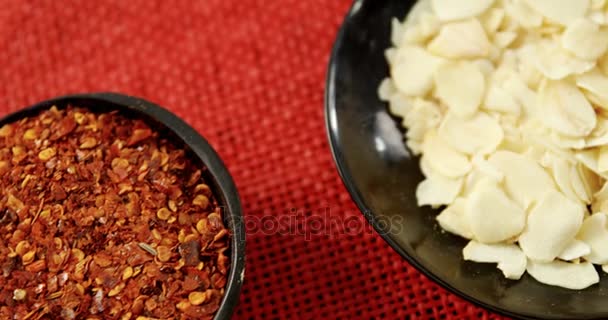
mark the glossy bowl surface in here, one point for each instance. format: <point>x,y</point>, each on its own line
<point>216,175</point>
<point>381,176</point>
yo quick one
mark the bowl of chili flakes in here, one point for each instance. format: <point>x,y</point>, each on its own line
<point>111,207</point>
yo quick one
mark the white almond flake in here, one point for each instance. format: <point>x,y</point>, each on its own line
<point>601,194</point>
<point>595,83</point>
<point>485,66</point>
<point>597,17</point>
<point>504,39</point>
<point>589,158</point>
<point>556,63</point>
<point>437,191</point>
<point>525,180</point>
<point>443,159</point>
<point>552,224</point>
<point>524,14</point>
<point>461,40</point>
<point>391,56</point>
<point>561,11</point>
<point>522,93</point>
<point>566,142</point>
<point>413,70</point>
<point>397,31</point>
<point>399,104</point>
<point>579,186</point>
<point>602,160</point>
<point>429,25</point>
<point>561,173</point>
<point>591,182</point>
<point>565,109</point>
<point>492,216</point>
<point>564,274</point>
<point>511,260</point>
<point>461,87</point>
<point>574,250</point>
<point>585,39</point>
<point>480,133</point>
<point>449,10</point>
<point>594,232</point>
<point>486,168</point>
<point>597,4</point>
<point>452,219</point>
<point>386,89</point>
<point>605,268</point>
<point>492,20</point>
<point>500,100</point>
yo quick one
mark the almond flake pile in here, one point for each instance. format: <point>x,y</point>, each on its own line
<point>506,102</point>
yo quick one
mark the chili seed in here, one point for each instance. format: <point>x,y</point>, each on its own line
<point>127,273</point>
<point>46,154</point>
<point>201,201</point>
<point>19,294</point>
<point>163,214</point>
<point>196,298</point>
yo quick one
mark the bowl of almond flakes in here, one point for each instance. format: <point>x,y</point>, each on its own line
<point>473,136</point>
<point>111,207</point>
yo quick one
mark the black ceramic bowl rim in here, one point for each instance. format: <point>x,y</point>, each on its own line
<point>347,179</point>
<point>221,182</point>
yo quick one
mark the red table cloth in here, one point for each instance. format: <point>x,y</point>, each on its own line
<point>249,76</point>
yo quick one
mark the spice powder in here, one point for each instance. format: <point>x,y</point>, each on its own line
<point>101,217</point>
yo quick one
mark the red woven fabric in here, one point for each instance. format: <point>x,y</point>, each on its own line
<point>249,76</point>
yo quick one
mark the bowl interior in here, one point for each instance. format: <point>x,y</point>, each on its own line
<point>216,174</point>
<point>382,176</point>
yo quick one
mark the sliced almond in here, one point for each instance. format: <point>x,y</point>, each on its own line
<point>595,83</point>
<point>566,109</point>
<point>585,39</point>
<point>436,191</point>
<point>551,226</point>
<point>511,260</point>
<point>525,180</point>
<point>386,89</point>
<point>602,160</point>
<point>477,134</point>
<point>561,11</point>
<point>492,216</point>
<point>518,89</point>
<point>500,100</point>
<point>443,159</point>
<point>579,186</point>
<point>399,104</point>
<point>564,274</point>
<point>574,250</point>
<point>462,97</point>
<point>594,232</point>
<point>463,39</point>
<point>452,219</point>
<point>561,173</point>
<point>598,4</point>
<point>504,39</point>
<point>492,19</point>
<point>413,70</point>
<point>448,10</point>
<point>524,14</point>
<point>556,63</point>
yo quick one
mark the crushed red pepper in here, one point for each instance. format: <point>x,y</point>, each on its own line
<point>102,217</point>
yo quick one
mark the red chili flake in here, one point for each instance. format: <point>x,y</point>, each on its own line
<point>102,216</point>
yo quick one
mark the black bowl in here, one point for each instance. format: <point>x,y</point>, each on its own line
<point>217,175</point>
<point>381,176</point>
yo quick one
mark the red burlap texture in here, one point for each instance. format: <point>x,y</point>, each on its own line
<point>249,76</point>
